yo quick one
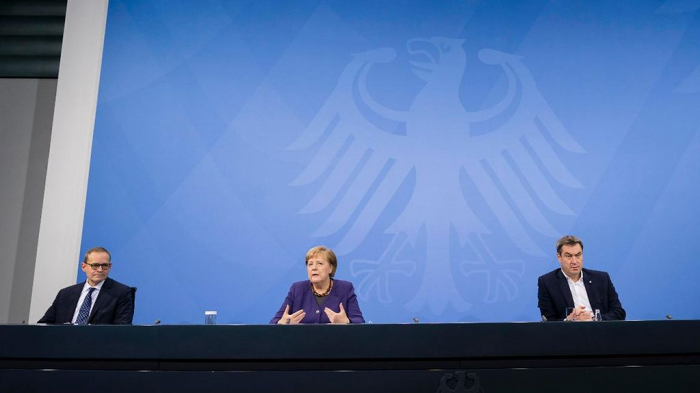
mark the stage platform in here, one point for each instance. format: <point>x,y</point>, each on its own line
<point>488,357</point>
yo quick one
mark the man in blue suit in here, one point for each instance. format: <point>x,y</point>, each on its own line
<point>98,301</point>
<point>571,285</point>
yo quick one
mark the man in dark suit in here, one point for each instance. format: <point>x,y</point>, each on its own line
<point>98,301</point>
<point>583,290</point>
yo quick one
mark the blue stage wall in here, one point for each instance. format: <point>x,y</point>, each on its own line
<point>440,147</point>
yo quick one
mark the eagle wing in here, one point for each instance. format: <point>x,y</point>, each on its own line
<point>356,151</point>
<point>518,160</point>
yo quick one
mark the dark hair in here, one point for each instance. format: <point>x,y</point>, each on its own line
<point>97,249</point>
<point>568,240</point>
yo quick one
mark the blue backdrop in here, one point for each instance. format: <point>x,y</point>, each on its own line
<point>440,147</point>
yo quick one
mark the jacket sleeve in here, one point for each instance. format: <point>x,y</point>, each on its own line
<point>615,311</point>
<point>124,312</point>
<point>50,315</point>
<point>545,302</point>
<point>352,308</point>
<point>288,301</point>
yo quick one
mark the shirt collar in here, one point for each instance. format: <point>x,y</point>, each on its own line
<point>568,279</point>
<point>87,286</point>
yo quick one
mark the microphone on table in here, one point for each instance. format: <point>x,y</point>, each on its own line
<point>415,320</point>
<point>156,322</point>
<point>668,316</point>
<point>544,319</point>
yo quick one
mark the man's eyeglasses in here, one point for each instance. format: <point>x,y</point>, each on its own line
<point>568,257</point>
<point>95,266</point>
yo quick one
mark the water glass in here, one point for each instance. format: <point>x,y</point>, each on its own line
<point>597,317</point>
<point>568,311</point>
<point>210,317</point>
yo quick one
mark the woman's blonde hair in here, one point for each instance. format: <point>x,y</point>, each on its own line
<point>327,254</point>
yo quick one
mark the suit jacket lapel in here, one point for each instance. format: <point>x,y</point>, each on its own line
<point>74,297</point>
<point>565,290</point>
<point>101,298</point>
<point>589,283</point>
<point>333,299</point>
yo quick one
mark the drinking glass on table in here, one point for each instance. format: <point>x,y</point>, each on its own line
<point>597,317</point>
<point>570,315</point>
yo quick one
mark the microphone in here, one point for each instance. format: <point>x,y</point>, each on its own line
<point>156,322</point>
<point>415,320</point>
<point>668,316</point>
<point>544,319</point>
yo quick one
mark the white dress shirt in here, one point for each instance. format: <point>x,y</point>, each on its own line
<point>86,289</point>
<point>578,291</point>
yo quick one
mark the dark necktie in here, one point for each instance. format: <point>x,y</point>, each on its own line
<point>84,312</point>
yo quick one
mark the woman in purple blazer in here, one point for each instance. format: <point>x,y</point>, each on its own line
<point>320,299</point>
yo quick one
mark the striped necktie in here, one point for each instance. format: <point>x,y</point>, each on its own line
<point>84,312</point>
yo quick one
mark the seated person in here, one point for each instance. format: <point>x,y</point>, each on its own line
<point>320,299</point>
<point>573,286</point>
<point>98,301</point>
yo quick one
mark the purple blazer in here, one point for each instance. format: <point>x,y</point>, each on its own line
<point>301,297</point>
